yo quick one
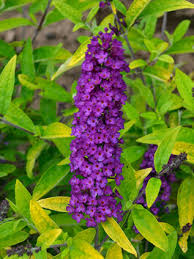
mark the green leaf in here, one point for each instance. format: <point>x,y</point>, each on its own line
<point>149,227</point>
<point>81,249</point>
<point>146,93</point>
<point>14,239</point>
<point>115,232</point>
<point>127,126</point>
<point>6,169</point>
<point>120,6</point>
<point>127,188</point>
<point>49,179</point>
<point>158,8</point>
<point>68,11</point>
<point>185,202</point>
<point>150,26</point>
<point>13,4</point>
<point>165,148</point>
<point>27,82</point>
<point>12,23</point>
<point>87,235</point>
<point>22,197</point>
<point>55,203</point>
<point>137,63</point>
<point>11,227</point>
<point>75,59</point>
<point>7,80</point>
<point>32,155</point>
<point>92,13</point>
<point>16,116</point>
<point>53,91</point>
<point>46,239</point>
<point>185,86</point>
<point>27,60</point>
<point>40,218</point>
<point>6,50</point>
<point>140,175</point>
<point>166,58</point>
<point>159,254</point>
<point>152,190</point>
<point>135,10</point>
<point>47,53</point>
<point>182,46</point>
<point>133,153</point>
<point>130,111</point>
<point>114,251</point>
<point>56,130</point>
<point>180,30</point>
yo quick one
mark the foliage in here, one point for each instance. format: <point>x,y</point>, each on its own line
<point>35,133</point>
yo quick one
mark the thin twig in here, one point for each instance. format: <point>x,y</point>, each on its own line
<point>41,21</point>
<point>137,70</point>
<point>103,241</point>
<point>164,24</point>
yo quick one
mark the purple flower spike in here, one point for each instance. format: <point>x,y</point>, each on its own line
<point>96,153</point>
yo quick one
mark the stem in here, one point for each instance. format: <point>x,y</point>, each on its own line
<point>96,237</point>
<point>137,70</point>
<point>101,244</point>
<point>39,28</point>
<point>164,23</point>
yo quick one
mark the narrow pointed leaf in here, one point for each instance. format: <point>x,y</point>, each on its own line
<point>41,220</point>
<point>152,190</point>
<point>114,251</point>
<point>48,238</point>
<point>7,80</point>
<point>115,232</point>
<point>149,227</point>
<point>55,203</point>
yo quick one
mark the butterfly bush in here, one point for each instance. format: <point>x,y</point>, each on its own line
<point>95,151</point>
<point>160,205</point>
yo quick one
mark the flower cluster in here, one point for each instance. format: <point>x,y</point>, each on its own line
<point>21,249</point>
<point>159,205</point>
<point>96,153</point>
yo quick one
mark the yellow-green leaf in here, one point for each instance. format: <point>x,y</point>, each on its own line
<point>80,249</point>
<point>12,23</point>
<point>149,227</point>
<point>134,10</point>
<point>144,255</point>
<point>48,238</point>
<point>127,127</point>
<point>74,60</point>
<point>137,63</point>
<point>181,147</point>
<point>115,232</point>
<point>140,175</point>
<point>165,148</point>
<point>152,190</point>
<point>49,179</point>
<point>65,161</point>
<point>14,239</point>
<point>55,203</point>
<point>7,80</point>
<point>56,130</point>
<point>41,220</point>
<point>167,227</point>
<point>185,202</point>
<point>22,197</point>
<point>18,117</point>
<point>114,251</point>
<point>87,235</point>
<point>32,155</point>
